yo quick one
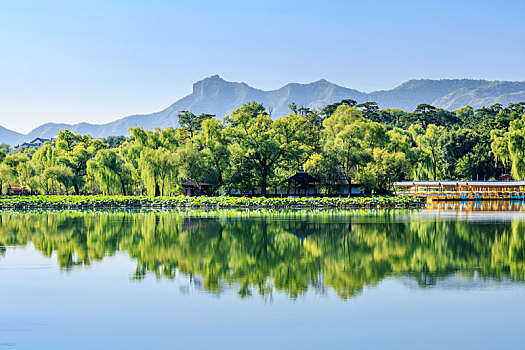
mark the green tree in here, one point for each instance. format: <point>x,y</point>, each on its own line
<point>259,139</point>
<point>214,143</point>
<point>383,170</point>
<point>432,144</point>
<point>74,151</point>
<point>6,176</point>
<point>516,142</point>
<point>111,172</point>
<point>158,170</point>
<point>191,164</point>
<point>59,175</point>
<point>191,122</point>
<point>350,140</point>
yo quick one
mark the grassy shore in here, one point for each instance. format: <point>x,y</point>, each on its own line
<point>100,201</point>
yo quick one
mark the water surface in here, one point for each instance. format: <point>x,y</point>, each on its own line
<point>451,276</point>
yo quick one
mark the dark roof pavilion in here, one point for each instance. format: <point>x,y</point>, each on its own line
<point>302,177</point>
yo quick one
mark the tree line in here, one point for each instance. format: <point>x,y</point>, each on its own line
<point>249,152</point>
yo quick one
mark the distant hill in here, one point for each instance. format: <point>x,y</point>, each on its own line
<point>8,136</point>
<point>216,96</point>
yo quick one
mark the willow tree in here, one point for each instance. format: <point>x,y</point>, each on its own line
<point>59,175</point>
<point>158,170</point>
<point>350,140</point>
<point>6,176</point>
<point>516,145</point>
<point>74,151</point>
<point>152,153</point>
<point>214,143</point>
<point>111,172</point>
<point>432,145</point>
<point>500,147</point>
<point>14,160</point>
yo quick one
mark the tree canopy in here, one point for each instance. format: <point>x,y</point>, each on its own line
<point>342,144</point>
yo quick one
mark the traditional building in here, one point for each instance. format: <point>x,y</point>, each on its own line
<point>38,142</point>
<point>193,188</point>
<point>302,184</point>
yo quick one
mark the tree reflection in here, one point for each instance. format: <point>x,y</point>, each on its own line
<point>291,252</point>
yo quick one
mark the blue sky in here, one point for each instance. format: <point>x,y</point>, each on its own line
<point>97,61</point>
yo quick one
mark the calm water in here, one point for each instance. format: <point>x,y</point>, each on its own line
<point>451,276</point>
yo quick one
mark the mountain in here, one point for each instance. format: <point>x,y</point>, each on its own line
<point>216,96</point>
<point>9,136</point>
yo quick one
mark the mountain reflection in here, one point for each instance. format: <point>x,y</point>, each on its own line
<point>288,251</point>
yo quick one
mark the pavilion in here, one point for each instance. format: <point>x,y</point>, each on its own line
<point>303,183</point>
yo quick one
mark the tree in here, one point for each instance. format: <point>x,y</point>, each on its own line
<point>192,122</point>
<point>456,144</point>
<point>251,129</point>
<point>477,164</point>
<point>74,151</point>
<point>325,168</point>
<point>158,171</point>
<point>516,144</point>
<point>111,172</point>
<point>114,141</point>
<point>370,110</point>
<point>383,170</point>
<point>152,153</point>
<point>350,140</point>
<point>6,176</point>
<point>214,143</point>
<point>27,176</point>
<point>432,144</point>
<point>4,148</point>
<point>330,109</point>
<point>191,164</point>
<point>60,174</point>
<point>299,135</point>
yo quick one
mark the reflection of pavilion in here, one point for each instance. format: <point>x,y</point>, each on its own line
<point>302,229</point>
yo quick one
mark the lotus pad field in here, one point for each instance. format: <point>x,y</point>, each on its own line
<point>101,201</point>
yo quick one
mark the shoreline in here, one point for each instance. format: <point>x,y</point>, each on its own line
<point>134,202</point>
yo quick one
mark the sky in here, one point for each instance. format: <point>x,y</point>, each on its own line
<point>98,61</point>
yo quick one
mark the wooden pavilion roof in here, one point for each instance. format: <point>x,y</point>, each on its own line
<point>302,177</point>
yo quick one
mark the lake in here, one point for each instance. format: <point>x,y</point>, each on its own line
<point>451,276</point>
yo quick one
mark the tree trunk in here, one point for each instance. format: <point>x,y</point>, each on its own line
<point>157,189</point>
<point>220,181</point>
<point>123,187</point>
<point>264,183</point>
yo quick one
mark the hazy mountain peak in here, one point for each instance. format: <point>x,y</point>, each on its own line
<point>209,85</point>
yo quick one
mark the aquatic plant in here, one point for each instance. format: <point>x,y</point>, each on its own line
<point>102,201</point>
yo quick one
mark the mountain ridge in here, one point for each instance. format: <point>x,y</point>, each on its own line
<point>217,96</point>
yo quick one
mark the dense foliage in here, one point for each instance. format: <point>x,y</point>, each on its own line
<point>259,252</point>
<point>249,152</point>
